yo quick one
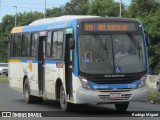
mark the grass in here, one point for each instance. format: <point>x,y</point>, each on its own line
<point>154,97</point>
<point>3,79</point>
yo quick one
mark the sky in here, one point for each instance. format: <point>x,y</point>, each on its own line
<point>6,6</point>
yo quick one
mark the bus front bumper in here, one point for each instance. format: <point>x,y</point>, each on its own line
<point>95,97</point>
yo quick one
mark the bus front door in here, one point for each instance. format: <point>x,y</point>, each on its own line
<point>69,53</point>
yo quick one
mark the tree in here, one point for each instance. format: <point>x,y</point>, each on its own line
<point>28,17</point>
<point>3,49</point>
<point>105,8</point>
<point>55,12</point>
<point>77,7</point>
<point>143,7</point>
<point>6,25</point>
<point>148,12</point>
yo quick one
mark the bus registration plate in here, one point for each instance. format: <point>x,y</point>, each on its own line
<point>115,95</point>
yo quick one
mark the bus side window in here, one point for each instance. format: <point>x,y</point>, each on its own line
<point>34,44</point>
<point>17,46</point>
<point>11,45</point>
<point>25,45</point>
<point>59,44</point>
<point>48,45</point>
<point>54,47</point>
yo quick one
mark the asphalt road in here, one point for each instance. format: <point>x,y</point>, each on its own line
<point>11,100</point>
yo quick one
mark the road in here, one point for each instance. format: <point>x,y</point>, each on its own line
<point>11,100</point>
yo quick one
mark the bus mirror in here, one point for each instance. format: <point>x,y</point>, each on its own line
<point>71,43</point>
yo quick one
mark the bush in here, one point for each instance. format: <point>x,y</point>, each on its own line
<point>154,97</point>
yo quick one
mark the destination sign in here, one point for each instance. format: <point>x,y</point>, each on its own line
<point>110,27</point>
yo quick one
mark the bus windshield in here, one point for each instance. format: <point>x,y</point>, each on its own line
<point>111,54</point>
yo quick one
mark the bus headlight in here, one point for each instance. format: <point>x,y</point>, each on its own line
<point>142,81</point>
<point>85,83</point>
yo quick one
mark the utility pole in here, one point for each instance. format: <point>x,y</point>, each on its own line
<point>120,11</point>
<point>15,16</point>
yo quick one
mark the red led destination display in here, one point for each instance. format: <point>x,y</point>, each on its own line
<point>109,27</point>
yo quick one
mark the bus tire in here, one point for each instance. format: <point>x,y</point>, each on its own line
<point>65,106</point>
<point>122,106</point>
<point>27,94</point>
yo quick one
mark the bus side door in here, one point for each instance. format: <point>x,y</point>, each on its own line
<point>41,57</point>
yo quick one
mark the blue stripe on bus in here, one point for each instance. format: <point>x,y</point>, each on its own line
<point>39,61</point>
<point>53,61</point>
<point>133,85</point>
<point>26,61</point>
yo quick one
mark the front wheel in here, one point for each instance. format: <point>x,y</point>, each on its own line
<point>27,96</point>
<point>122,106</point>
<point>65,106</point>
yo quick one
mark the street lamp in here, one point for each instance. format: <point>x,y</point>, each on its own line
<point>15,16</point>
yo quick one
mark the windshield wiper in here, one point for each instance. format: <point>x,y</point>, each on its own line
<point>133,39</point>
<point>100,41</point>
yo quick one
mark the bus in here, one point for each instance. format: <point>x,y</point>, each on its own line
<point>80,60</point>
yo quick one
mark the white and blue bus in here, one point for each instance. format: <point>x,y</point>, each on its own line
<point>80,59</point>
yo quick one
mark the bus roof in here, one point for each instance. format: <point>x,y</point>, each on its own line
<point>49,23</point>
<point>56,19</point>
<point>57,22</point>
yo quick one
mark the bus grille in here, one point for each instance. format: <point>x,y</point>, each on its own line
<point>114,81</point>
<point>108,98</point>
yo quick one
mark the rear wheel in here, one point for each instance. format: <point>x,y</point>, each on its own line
<point>65,106</point>
<point>122,106</point>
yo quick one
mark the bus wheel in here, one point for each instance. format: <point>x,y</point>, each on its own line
<point>65,106</point>
<point>122,106</point>
<point>27,96</point>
